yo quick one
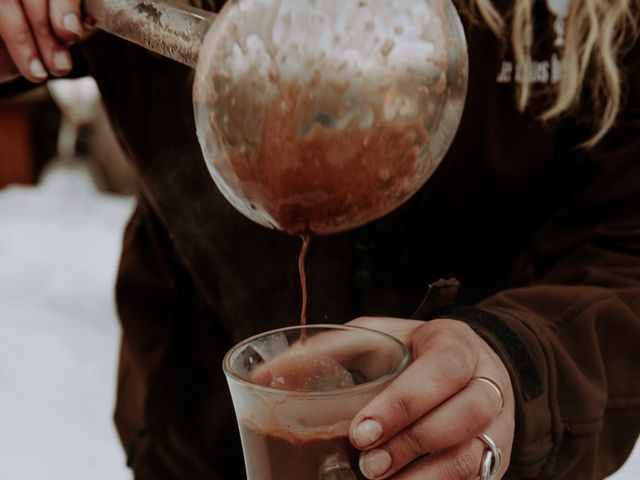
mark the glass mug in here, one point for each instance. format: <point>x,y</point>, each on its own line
<point>295,391</point>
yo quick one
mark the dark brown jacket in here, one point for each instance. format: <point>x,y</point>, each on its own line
<point>543,236</point>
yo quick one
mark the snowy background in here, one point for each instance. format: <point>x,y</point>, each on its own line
<point>59,245</point>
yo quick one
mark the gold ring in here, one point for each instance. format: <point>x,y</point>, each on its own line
<point>495,386</point>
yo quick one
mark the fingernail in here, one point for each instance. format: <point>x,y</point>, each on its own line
<point>37,69</point>
<point>71,22</point>
<point>366,432</point>
<point>375,463</point>
<point>61,61</point>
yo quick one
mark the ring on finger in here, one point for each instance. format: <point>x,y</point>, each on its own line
<point>491,459</point>
<point>495,387</point>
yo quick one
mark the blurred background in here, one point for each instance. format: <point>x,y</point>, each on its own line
<point>65,196</point>
<point>66,192</point>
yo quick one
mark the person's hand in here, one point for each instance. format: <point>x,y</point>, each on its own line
<point>426,423</point>
<point>35,36</point>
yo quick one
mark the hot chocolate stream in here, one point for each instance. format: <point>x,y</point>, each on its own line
<point>303,279</point>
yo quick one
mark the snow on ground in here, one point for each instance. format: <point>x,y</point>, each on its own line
<point>59,245</point>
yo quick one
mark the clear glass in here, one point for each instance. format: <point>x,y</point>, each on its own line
<point>319,116</point>
<point>314,117</point>
<point>295,391</point>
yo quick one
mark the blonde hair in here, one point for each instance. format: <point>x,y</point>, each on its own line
<point>597,32</point>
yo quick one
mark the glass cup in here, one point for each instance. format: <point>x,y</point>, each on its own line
<point>295,391</point>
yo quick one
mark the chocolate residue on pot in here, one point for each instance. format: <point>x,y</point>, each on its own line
<point>147,27</point>
<point>326,179</point>
<point>151,11</point>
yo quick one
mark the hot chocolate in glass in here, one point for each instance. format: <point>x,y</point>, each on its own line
<point>296,390</point>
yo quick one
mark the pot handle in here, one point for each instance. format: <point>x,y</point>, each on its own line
<point>168,28</point>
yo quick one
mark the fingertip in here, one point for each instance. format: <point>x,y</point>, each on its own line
<point>375,463</point>
<point>37,72</point>
<point>72,25</point>
<point>61,62</point>
<point>67,22</point>
<point>366,432</point>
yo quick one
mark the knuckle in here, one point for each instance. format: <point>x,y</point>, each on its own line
<point>462,332</point>
<point>410,441</point>
<point>432,330</point>
<point>22,36</point>
<point>43,29</point>
<point>488,404</point>
<point>462,465</point>
<point>463,328</point>
<point>459,361</point>
<point>402,409</point>
<point>361,321</point>
<point>478,415</point>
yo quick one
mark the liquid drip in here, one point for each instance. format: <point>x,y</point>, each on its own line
<point>303,278</point>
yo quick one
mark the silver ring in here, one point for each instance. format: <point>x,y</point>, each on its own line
<point>495,386</point>
<point>491,459</point>
<point>485,468</point>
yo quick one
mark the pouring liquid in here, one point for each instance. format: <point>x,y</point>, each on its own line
<point>313,117</point>
<point>303,278</point>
